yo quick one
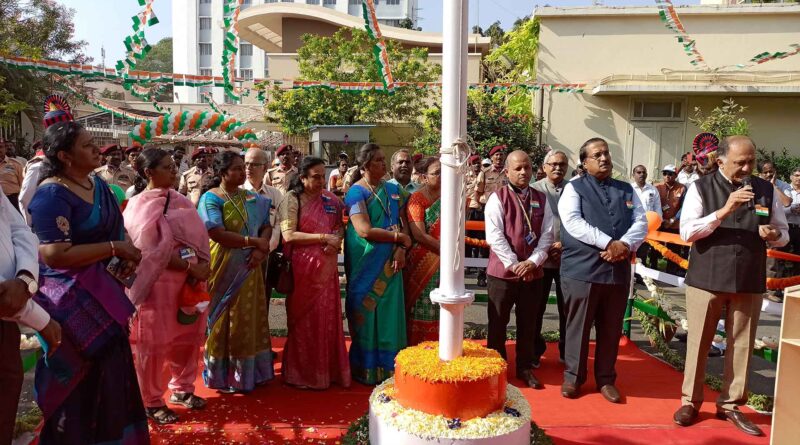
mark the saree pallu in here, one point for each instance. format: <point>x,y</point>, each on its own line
<point>315,354</point>
<point>374,303</point>
<point>87,390</point>
<point>422,276</point>
<point>238,351</point>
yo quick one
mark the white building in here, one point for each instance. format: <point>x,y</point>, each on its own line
<point>197,38</point>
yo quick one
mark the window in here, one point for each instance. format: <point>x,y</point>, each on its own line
<point>206,72</point>
<point>246,74</point>
<point>355,2</point>
<point>205,49</point>
<point>266,66</point>
<point>205,2</point>
<point>205,23</point>
<point>658,109</point>
<point>312,2</point>
<point>246,49</point>
<point>329,3</point>
<point>392,2</point>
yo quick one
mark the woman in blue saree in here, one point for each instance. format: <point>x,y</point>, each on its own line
<point>375,247</point>
<point>238,349</point>
<point>87,386</point>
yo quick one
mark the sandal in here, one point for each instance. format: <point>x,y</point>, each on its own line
<point>187,399</point>
<point>161,415</point>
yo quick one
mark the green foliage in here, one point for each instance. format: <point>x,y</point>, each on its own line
<point>515,59</point>
<point>28,421</point>
<point>490,122</point>
<point>37,29</point>
<point>348,56</point>
<point>723,121</point>
<point>159,60</point>
<point>407,23</point>
<point>784,163</point>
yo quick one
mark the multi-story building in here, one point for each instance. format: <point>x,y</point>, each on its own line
<point>198,34</point>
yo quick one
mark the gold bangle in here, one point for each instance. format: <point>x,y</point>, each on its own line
<point>246,241</point>
<point>395,237</point>
<point>113,250</point>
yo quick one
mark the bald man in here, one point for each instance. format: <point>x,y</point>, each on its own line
<point>730,217</point>
<point>519,230</point>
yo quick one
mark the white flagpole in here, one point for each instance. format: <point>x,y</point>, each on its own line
<point>451,294</point>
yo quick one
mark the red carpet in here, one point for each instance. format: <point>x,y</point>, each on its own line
<point>280,414</point>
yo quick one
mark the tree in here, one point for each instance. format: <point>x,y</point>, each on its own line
<point>407,23</point>
<point>36,29</point>
<point>489,123</point>
<point>114,95</point>
<point>723,121</point>
<point>347,56</point>
<point>159,59</point>
<point>496,33</point>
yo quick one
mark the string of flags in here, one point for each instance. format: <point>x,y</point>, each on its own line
<point>668,15</point>
<point>136,44</point>
<point>379,50</point>
<point>230,47</point>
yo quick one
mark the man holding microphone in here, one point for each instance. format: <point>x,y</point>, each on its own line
<point>730,217</point>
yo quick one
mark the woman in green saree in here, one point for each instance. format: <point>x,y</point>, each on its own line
<point>375,247</point>
<point>238,350</point>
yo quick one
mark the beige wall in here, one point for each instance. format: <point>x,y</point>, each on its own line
<point>588,48</point>
<point>571,119</point>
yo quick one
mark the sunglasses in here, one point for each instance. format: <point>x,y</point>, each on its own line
<point>668,173</point>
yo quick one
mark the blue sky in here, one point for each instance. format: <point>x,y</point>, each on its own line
<point>105,24</point>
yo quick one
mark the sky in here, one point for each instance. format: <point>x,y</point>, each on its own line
<point>107,23</point>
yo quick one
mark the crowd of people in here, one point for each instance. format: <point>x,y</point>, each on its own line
<point>119,292</point>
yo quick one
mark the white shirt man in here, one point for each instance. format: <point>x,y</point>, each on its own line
<point>647,193</point>
<point>687,178</point>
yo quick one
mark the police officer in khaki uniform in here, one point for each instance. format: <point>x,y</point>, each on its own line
<point>280,176</point>
<point>488,180</point>
<point>194,179</point>
<point>10,175</point>
<point>471,178</point>
<point>131,153</point>
<point>114,172</point>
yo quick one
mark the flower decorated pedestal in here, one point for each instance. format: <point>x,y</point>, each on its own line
<point>463,401</point>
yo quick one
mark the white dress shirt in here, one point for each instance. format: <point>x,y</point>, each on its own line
<point>19,251</point>
<point>648,195</point>
<point>496,238</point>
<point>276,196</point>
<point>791,216</point>
<point>569,207</point>
<point>30,182</point>
<point>695,226</point>
<point>687,178</point>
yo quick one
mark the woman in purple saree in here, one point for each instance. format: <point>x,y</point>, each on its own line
<point>86,387</point>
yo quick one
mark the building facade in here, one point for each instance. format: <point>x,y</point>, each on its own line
<point>197,38</point>
<point>641,89</point>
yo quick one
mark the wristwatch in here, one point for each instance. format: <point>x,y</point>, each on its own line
<point>32,285</point>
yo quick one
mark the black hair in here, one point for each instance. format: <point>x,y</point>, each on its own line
<point>424,164</point>
<point>221,165</point>
<point>306,165</point>
<point>586,144</point>
<point>764,163</point>
<point>149,158</point>
<point>365,154</point>
<point>58,137</point>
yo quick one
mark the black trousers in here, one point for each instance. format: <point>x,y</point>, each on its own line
<point>601,305</point>
<point>550,276</point>
<point>526,298</point>
<point>10,379</point>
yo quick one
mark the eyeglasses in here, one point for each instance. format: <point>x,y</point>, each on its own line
<point>556,164</point>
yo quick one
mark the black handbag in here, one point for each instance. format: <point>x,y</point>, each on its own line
<point>280,275</point>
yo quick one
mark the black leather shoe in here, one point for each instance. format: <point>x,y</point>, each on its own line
<point>537,362</point>
<point>715,352</point>
<point>570,390</point>
<point>611,393</point>
<point>527,376</point>
<point>685,416</point>
<point>741,421</point>
<point>682,336</point>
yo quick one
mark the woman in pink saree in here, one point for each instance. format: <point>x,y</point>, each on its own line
<point>166,227</point>
<point>311,223</point>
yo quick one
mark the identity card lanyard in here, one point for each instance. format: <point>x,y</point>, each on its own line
<point>531,236</point>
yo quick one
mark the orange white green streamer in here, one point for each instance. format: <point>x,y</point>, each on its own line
<point>136,43</point>
<point>381,54</point>
<point>230,47</point>
<point>668,15</point>
<point>174,123</point>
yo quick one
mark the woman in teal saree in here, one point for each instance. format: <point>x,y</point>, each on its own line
<point>375,246</point>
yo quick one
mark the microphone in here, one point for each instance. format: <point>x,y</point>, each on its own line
<point>746,183</point>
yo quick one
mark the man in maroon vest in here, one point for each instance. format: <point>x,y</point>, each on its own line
<point>519,230</point>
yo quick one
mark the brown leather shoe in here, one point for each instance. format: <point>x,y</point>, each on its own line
<point>741,421</point>
<point>570,390</point>
<point>685,416</point>
<point>611,393</point>
<point>527,376</point>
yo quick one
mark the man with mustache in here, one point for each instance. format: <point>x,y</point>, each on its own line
<point>603,221</point>
<point>401,171</point>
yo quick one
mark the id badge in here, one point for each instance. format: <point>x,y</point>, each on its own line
<point>530,238</point>
<point>186,253</point>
